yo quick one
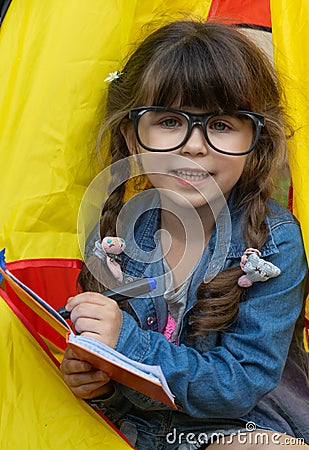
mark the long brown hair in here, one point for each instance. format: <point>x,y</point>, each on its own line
<point>216,68</point>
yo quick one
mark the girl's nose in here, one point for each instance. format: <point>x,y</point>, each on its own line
<point>196,144</point>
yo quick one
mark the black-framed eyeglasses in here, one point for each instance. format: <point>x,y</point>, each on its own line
<point>160,129</point>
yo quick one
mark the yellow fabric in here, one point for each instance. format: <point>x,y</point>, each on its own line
<point>290,22</point>
<point>55,56</point>
<point>38,411</point>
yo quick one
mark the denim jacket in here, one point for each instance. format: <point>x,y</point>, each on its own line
<point>255,371</point>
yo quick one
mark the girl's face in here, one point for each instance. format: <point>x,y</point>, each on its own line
<point>196,172</point>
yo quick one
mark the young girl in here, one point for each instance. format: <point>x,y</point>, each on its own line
<point>200,106</point>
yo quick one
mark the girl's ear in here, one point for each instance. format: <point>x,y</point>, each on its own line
<point>127,131</point>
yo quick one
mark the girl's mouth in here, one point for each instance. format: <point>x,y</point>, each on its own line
<point>190,175</point>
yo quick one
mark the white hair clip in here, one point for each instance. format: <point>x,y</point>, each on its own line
<point>113,76</point>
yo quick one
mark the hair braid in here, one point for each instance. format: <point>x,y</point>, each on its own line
<point>218,300</point>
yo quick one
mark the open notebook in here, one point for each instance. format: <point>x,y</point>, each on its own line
<point>148,380</point>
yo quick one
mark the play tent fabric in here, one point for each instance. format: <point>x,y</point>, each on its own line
<point>290,39</point>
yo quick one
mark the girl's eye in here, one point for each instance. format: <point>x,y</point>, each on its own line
<point>219,126</point>
<point>170,122</point>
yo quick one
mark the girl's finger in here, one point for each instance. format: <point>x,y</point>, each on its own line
<point>69,366</point>
<point>96,377</point>
<point>87,297</point>
<point>87,390</point>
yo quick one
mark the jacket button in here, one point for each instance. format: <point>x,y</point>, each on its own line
<point>150,320</point>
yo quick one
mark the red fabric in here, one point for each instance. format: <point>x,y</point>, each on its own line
<point>28,325</point>
<point>245,12</point>
<point>52,279</point>
<point>290,198</point>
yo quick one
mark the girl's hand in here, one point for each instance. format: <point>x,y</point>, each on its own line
<point>96,316</point>
<point>84,380</point>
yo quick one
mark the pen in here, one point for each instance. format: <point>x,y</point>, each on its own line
<point>123,292</point>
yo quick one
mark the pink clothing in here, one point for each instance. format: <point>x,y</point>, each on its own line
<point>170,327</point>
